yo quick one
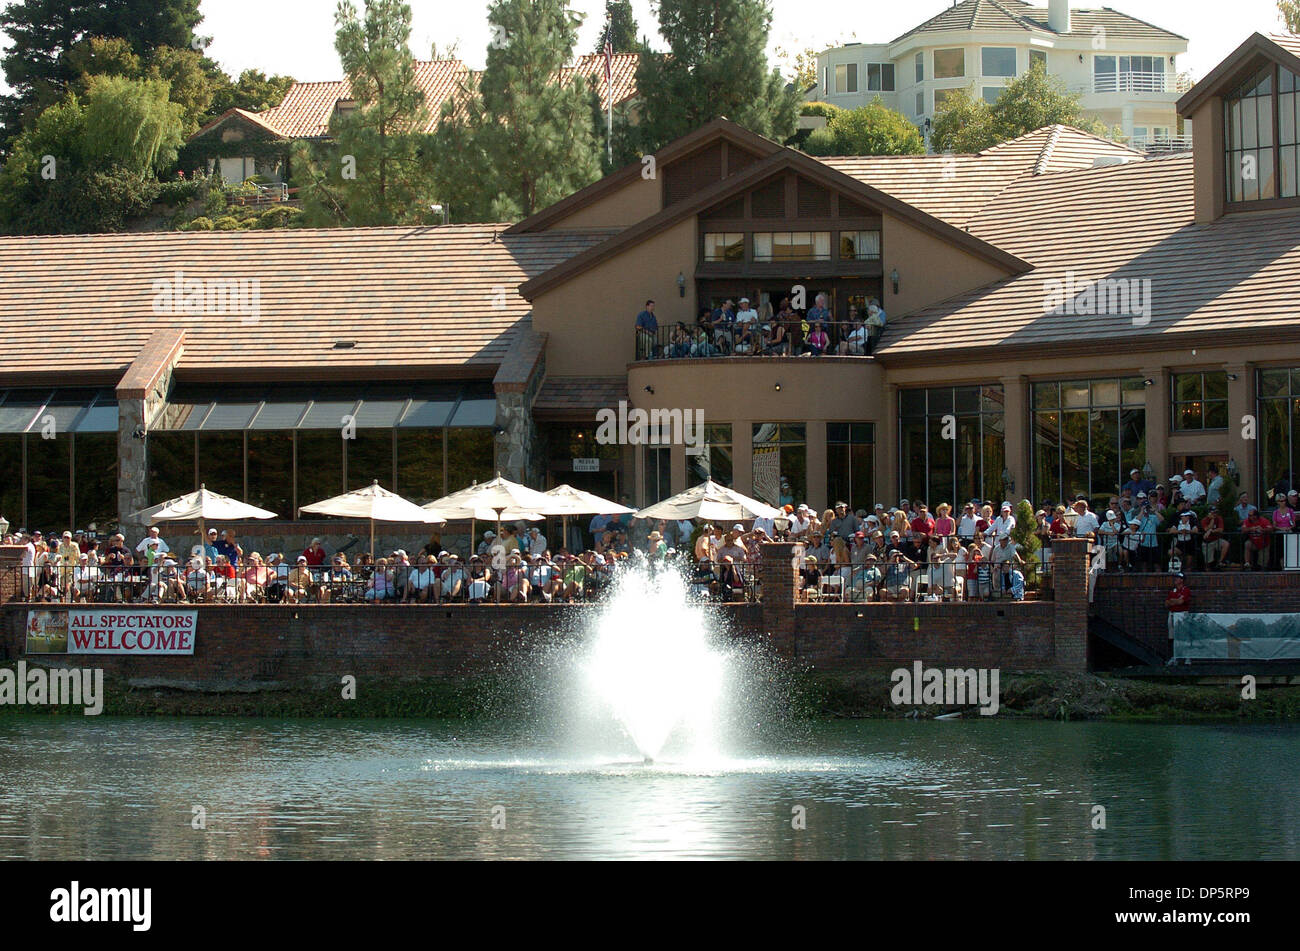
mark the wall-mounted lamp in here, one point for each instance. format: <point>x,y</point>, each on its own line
<point>1171,61</point>
<point>498,430</point>
<point>650,390</point>
<point>681,284</point>
<point>1148,382</point>
<point>778,387</point>
<point>928,124</point>
<point>1232,377</point>
<point>140,432</point>
<point>1081,57</point>
<point>1008,484</point>
<point>893,279</point>
<point>1148,472</point>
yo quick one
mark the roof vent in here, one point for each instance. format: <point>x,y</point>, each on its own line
<point>1106,161</point>
<point>344,344</point>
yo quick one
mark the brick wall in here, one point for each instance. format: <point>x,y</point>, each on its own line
<point>1135,603</point>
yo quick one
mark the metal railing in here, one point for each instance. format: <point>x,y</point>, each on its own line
<point>1161,144</point>
<point>564,579</point>
<point>753,338</point>
<point>926,581</point>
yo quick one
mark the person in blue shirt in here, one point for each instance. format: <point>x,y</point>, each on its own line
<point>1136,484</point>
<point>647,330</point>
<point>1149,545</point>
<point>818,313</point>
<point>229,547</point>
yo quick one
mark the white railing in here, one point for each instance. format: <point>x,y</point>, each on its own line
<point>1130,82</point>
<point>1161,143</point>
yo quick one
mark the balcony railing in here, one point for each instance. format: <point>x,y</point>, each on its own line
<point>1161,144</point>
<point>755,339</point>
<point>1132,81</point>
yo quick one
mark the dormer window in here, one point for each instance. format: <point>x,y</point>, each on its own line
<point>1261,118</point>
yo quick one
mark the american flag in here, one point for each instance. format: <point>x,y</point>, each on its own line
<point>609,65</point>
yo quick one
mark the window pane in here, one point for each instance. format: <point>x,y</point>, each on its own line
<point>998,61</point>
<point>11,488</point>
<point>419,465</point>
<point>1074,395</point>
<point>279,415</point>
<point>320,465</point>
<point>470,457</point>
<point>1187,386</point>
<point>96,478</point>
<point>1047,395</point>
<point>1105,393</point>
<point>1074,453</point>
<point>221,463</point>
<point>270,471</point>
<point>327,414</point>
<point>370,458</point>
<point>1274,382</point>
<point>1047,482</point>
<point>171,465</point>
<point>229,417</point>
<point>1216,415</point>
<point>949,64</point>
<point>47,484</point>
<point>1216,385</point>
<point>1134,391</point>
<point>911,450</point>
<point>1104,462</point>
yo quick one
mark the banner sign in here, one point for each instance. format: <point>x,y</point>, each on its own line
<point>1236,636</point>
<point>586,465</point>
<point>124,631</point>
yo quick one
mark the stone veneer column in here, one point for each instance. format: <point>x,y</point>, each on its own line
<point>776,573</point>
<point>1070,564</point>
<point>141,399</point>
<point>518,441</point>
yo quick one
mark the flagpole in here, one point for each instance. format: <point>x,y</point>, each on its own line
<point>609,92</point>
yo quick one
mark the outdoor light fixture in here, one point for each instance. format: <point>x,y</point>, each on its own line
<point>139,432</point>
<point>1148,382</point>
<point>650,390</point>
<point>440,210</point>
<point>498,430</point>
<point>4,525</point>
<point>1081,57</point>
<point>893,279</point>
<point>1232,376</point>
<point>1148,472</point>
<point>1008,483</point>
<point>778,387</point>
<point>681,284</point>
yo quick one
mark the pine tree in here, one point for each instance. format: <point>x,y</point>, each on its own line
<point>374,172</point>
<point>620,28</point>
<point>716,66</point>
<point>519,140</point>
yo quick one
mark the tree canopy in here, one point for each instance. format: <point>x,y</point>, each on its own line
<point>873,129</point>
<point>620,28</point>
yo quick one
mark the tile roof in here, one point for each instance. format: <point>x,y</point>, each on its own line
<point>956,187</point>
<point>582,395</point>
<point>307,107</point>
<point>1005,15</point>
<point>414,300</point>
<point>1132,222</point>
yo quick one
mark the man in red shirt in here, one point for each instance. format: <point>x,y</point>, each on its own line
<point>1214,547</point>
<point>1256,528</point>
<point>922,528</point>
<point>1178,601</point>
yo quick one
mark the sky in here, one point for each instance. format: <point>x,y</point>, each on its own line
<point>296,37</point>
<point>248,33</point>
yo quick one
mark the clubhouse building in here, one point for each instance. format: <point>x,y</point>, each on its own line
<point>1060,310</point>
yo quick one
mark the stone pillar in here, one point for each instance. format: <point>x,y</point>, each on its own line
<point>1242,410</point>
<point>815,448</point>
<point>887,491</point>
<point>141,400</point>
<point>742,456</point>
<point>1070,565</point>
<point>518,449</point>
<point>1016,421</point>
<point>1157,421</point>
<point>776,573</point>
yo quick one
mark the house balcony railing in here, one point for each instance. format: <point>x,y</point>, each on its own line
<point>755,339</point>
<point>1161,144</point>
<point>1132,82</point>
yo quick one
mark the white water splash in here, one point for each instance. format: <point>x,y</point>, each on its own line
<point>653,665</point>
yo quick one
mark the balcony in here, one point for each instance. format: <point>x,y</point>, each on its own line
<point>1162,144</point>
<point>1132,81</point>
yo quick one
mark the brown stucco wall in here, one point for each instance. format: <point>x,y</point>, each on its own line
<point>623,208</point>
<point>929,269</point>
<point>1208,158</point>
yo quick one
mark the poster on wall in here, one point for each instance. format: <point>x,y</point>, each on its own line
<point>1236,636</point>
<point>122,631</point>
<point>767,474</point>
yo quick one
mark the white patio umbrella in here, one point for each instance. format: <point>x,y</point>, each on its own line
<point>710,501</point>
<point>375,503</point>
<point>201,505</point>
<point>500,499</point>
<point>578,502</point>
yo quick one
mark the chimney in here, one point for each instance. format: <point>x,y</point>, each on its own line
<point>1058,15</point>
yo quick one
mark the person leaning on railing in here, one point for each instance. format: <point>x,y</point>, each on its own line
<point>647,332</point>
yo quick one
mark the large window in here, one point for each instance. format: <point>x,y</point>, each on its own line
<point>780,463</point>
<point>949,64</point>
<point>1279,428</point>
<point>860,245</point>
<point>846,77</point>
<point>1200,401</point>
<point>1088,434</point>
<point>849,464</point>
<point>714,461</point>
<point>880,77</point>
<point>1128,73</point>
<point>941,97</point>
<point>920,69</point>
<point>998,61</point>
<point>1261,150</point>
<point>952,443</point>
<point>992,93</point>
<point>724,247</point>
<point>1038,58</point>
<point>792,246</point>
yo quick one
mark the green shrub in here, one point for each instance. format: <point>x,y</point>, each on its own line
<point>226,223</point>
<point>201,223</point>
<point>179,192</point>
<point>825,109</point>
<point>281,216</point>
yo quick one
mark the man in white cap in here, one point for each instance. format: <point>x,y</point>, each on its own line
<point>800,523</point>
<point>489,539</point>
<point>1193,490</point>
<point>152,540</point>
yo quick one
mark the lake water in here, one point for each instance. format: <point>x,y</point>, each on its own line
<point>102,788</point>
